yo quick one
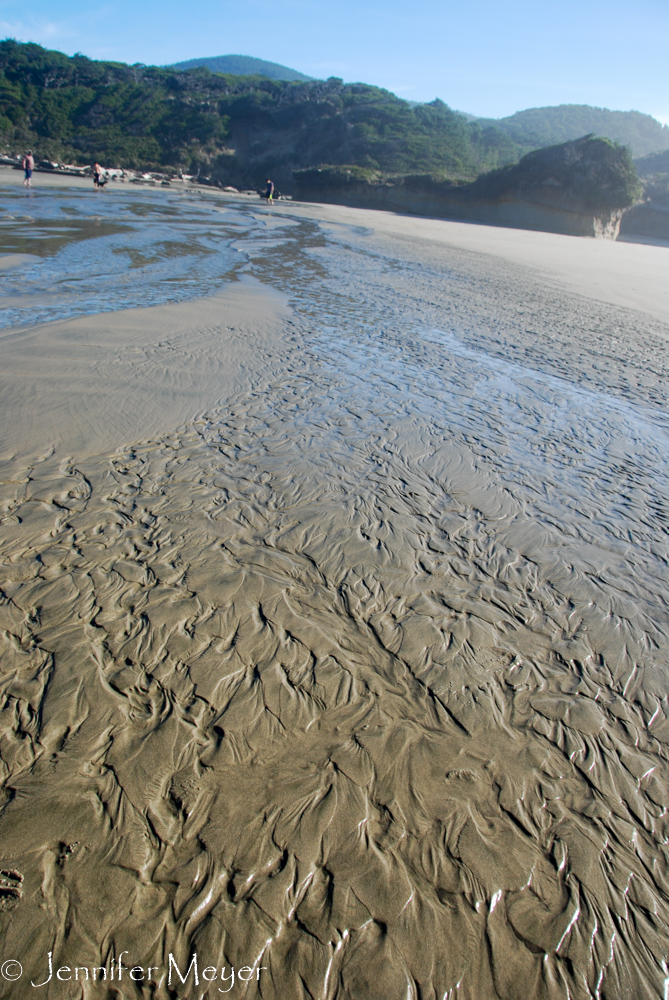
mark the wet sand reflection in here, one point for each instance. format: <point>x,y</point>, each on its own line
<point>362,677</point>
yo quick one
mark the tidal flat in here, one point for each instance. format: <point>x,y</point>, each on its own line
<point>334,604</point>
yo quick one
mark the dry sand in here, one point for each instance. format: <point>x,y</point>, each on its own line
<point>85,386</point>
<point>334,638</point>
<point>631,275</point>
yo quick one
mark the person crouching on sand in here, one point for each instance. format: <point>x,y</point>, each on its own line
<point>269,193</point>
<point>28,166</point>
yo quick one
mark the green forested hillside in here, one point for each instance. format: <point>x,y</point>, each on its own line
<point>539,127</point>
<point>241,129</point>
<point>80,109</point>
<point>654,163</point>
<point>243,66</point>
<point>237,129</point>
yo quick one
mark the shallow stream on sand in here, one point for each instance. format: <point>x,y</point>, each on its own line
<point>102,252</point>
<point>361,679</point>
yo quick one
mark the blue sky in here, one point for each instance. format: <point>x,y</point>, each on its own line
<point>483,56</point>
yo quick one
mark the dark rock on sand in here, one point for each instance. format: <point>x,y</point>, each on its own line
<point>579,188</point>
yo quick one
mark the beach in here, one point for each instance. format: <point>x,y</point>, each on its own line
<point>333,603</point>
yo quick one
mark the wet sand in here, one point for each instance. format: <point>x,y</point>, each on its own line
<point>334,613</point>
<point>110,374</point>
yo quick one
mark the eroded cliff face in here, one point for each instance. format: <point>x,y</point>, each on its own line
<point>650,220</point>
<point>514,212</point>
<point>649,217</point>
<point>577,188</point>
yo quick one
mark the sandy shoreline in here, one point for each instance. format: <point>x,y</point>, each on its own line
<point>158,367</point>
<point>631,275</point>
<point>333,623</point>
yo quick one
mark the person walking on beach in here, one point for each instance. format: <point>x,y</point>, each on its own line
<point>97,175</point>
<point>269,193</point>
<point>28,166</point>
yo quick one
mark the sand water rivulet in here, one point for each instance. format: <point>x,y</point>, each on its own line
<point>333,609</point>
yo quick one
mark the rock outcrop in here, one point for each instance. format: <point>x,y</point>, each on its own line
<point>578,188</point>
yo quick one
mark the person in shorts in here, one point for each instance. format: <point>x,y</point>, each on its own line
<point>97,175</point>
<point>28,167</point>
<point>269,193</point>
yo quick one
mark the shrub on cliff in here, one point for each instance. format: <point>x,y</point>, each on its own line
<point>588,174</point>
<point>340,175</point>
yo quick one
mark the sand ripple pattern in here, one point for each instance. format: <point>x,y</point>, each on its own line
<point>363,678</point>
